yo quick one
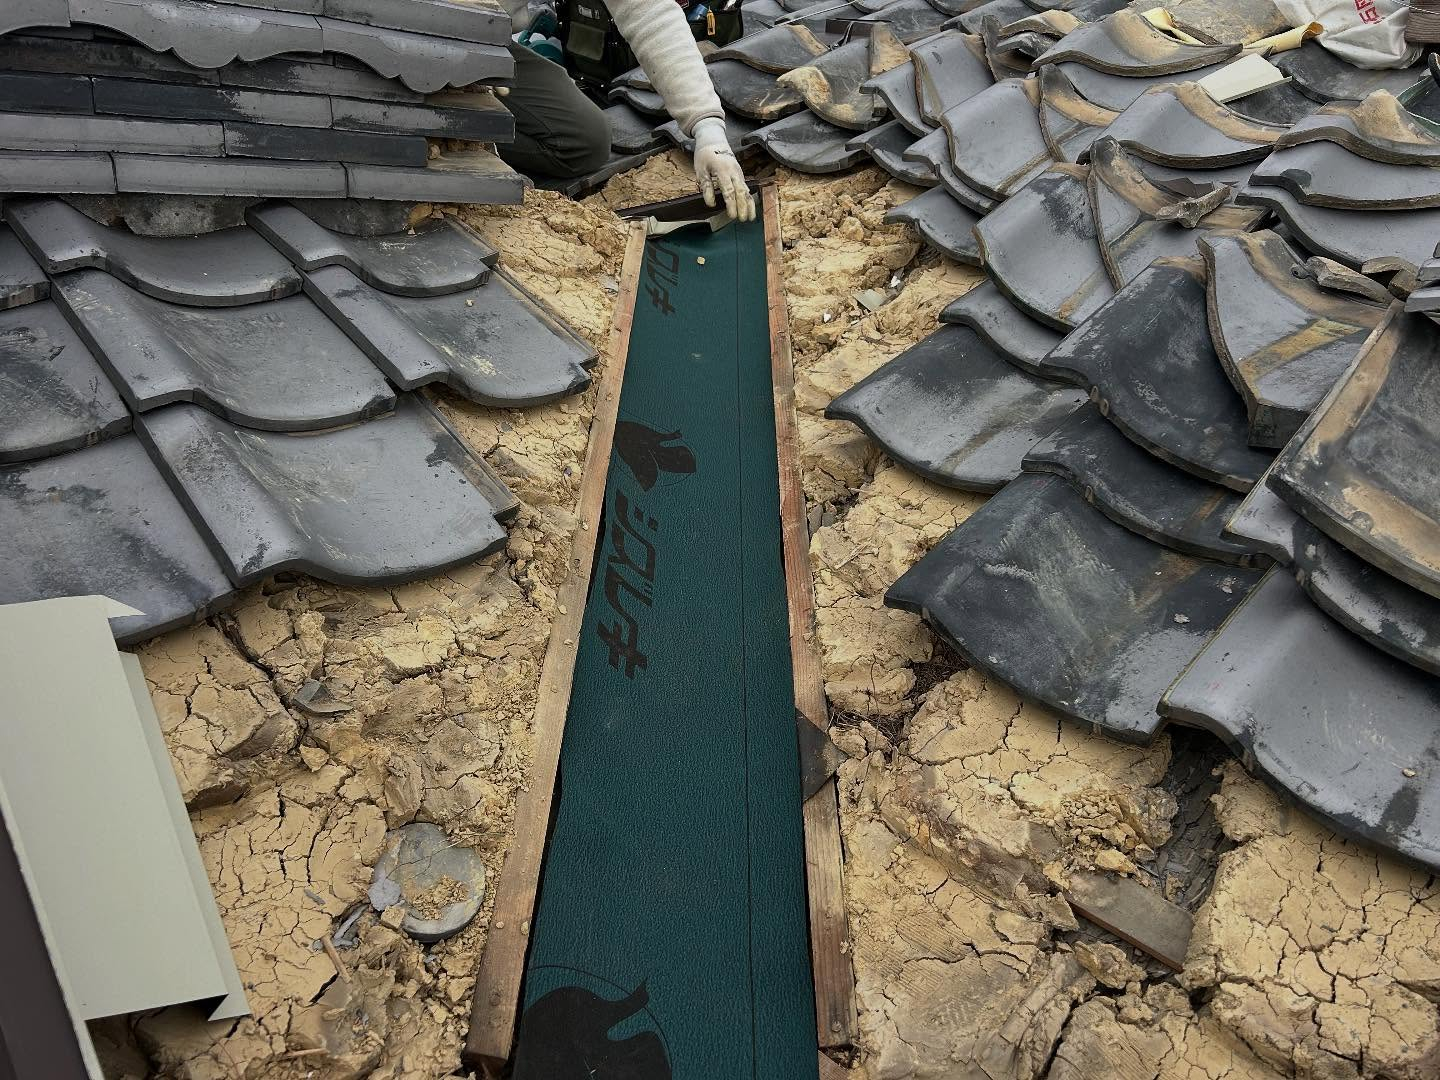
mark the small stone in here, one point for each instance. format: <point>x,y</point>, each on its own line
<point>314,757</point>
<point>393,917</point>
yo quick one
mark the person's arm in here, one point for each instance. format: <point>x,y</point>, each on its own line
<point>661,40</point>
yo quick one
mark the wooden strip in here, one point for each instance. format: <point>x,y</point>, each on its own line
<point>1135,914</point>
<point>495,1009</point>
<point>835,1018</point>
<point>830,1071</point>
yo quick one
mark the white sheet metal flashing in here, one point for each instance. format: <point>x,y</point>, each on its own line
<point>98,822</point>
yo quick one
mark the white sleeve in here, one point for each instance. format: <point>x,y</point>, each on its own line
<point>660,37</point>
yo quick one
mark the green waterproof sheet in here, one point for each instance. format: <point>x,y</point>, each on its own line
<point>670,939</point>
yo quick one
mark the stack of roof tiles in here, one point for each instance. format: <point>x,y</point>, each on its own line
<point>1189,379</point>
<point>267,99</point>
<point>181,417</point>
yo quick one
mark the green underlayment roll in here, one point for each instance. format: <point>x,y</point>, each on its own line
<point>670,939</point>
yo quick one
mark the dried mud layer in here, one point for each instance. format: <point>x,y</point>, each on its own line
<point>963,809</point>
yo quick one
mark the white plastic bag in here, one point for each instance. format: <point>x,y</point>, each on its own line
<point>1366,33</point>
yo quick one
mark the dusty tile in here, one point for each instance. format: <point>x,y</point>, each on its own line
<point>280,365</point>
<point>219,176</point>
<point>103,520</point>
<point>952,410</point>
<point>1110,618</point>
<point>494,344</point>
<point>1352,734</point>
<point>1182,125</point>
<point>208,36</point>
<point>896,90</point>
<point>1041,249</point>
<point>1352,237</point>
<point>22,281</point>
<point>806,143</point>
<point>631,132</point>
<point>1149,362</point>
<point>1068,122</point>
<point>949,68</point>
<point>220,269</point>
<point>933,152</point>
<point>1378,128</point>
<point>776,50</point>
<point>1123,43</point>
<point>1004,327</point>
<point>382,501</point>
<point>54,396</point>
<point>942,222</point>
<point>749,92</point>
<point>436,257</point>
<point>996,144</point>
<point>886,146</point>
<point>1327,174</point>
<point>462,176</point>
<point>1139,491</point>
<point>423,63</point>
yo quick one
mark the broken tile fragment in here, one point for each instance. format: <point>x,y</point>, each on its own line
<point>102,520</point>
<point>436,257</point>
<point>942,222</point>
<point>1149,362</point>
<point>1138,221</point>
<point>1110,618</point>
<point>1139,491</point>
<point>1363,469</point>
<point>438,884</point>
<point>382,501</point>
<point>806,143</point>
<point>1352,734</point>
<point>219,269</point>
<point>54,396</point>
<point>494,344</point>
<point>280,365</point>
<point>953,411</point>
<point>1281,338</point>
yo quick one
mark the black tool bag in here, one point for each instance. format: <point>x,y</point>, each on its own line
<point>596,53</point>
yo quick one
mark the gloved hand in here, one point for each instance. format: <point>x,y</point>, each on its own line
<point>717,169</point>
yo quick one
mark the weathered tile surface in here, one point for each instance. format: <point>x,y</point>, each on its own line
<point>438,256</point>
<point>1350,733</point>
<point>386,500</point>
<point>1149,362</point>
<point>102,520</point>
<point>493,344</point>
<point>949,68</point>
<point>1327,174</point>
<point>323,144</point>
<point>1182,125</point>
<point>942,222</point>
<point>1379,128</point>
<point>220,269</point>
<point>952,410</point>
<point>220,176</point>
<point>996,144</point>
<point>1110,618</point>
<point>53,395</point>
<point>462,176</point>
<point>1123,43</point>
<point>1364,468</point>
<point>1138,490</point>
<point>22,281</point>
<point>280,365</point>
<point>631,132</point>
<point>776,50</point>
<point>1282,339</point>
<point>1041,249</point>
<point>1350,236</point>
<point>896,91</point>
<point>421,62</point>
<point>100,134</point>
<point>1004,327</point>
<point>204,35</point>
<point>932,151</point>
<point>1321,74</point>
<point>808,144</point>
<point>749,92</point>
<point>886,145</point>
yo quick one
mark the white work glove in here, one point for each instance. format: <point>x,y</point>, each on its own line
<point>717,170</point>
